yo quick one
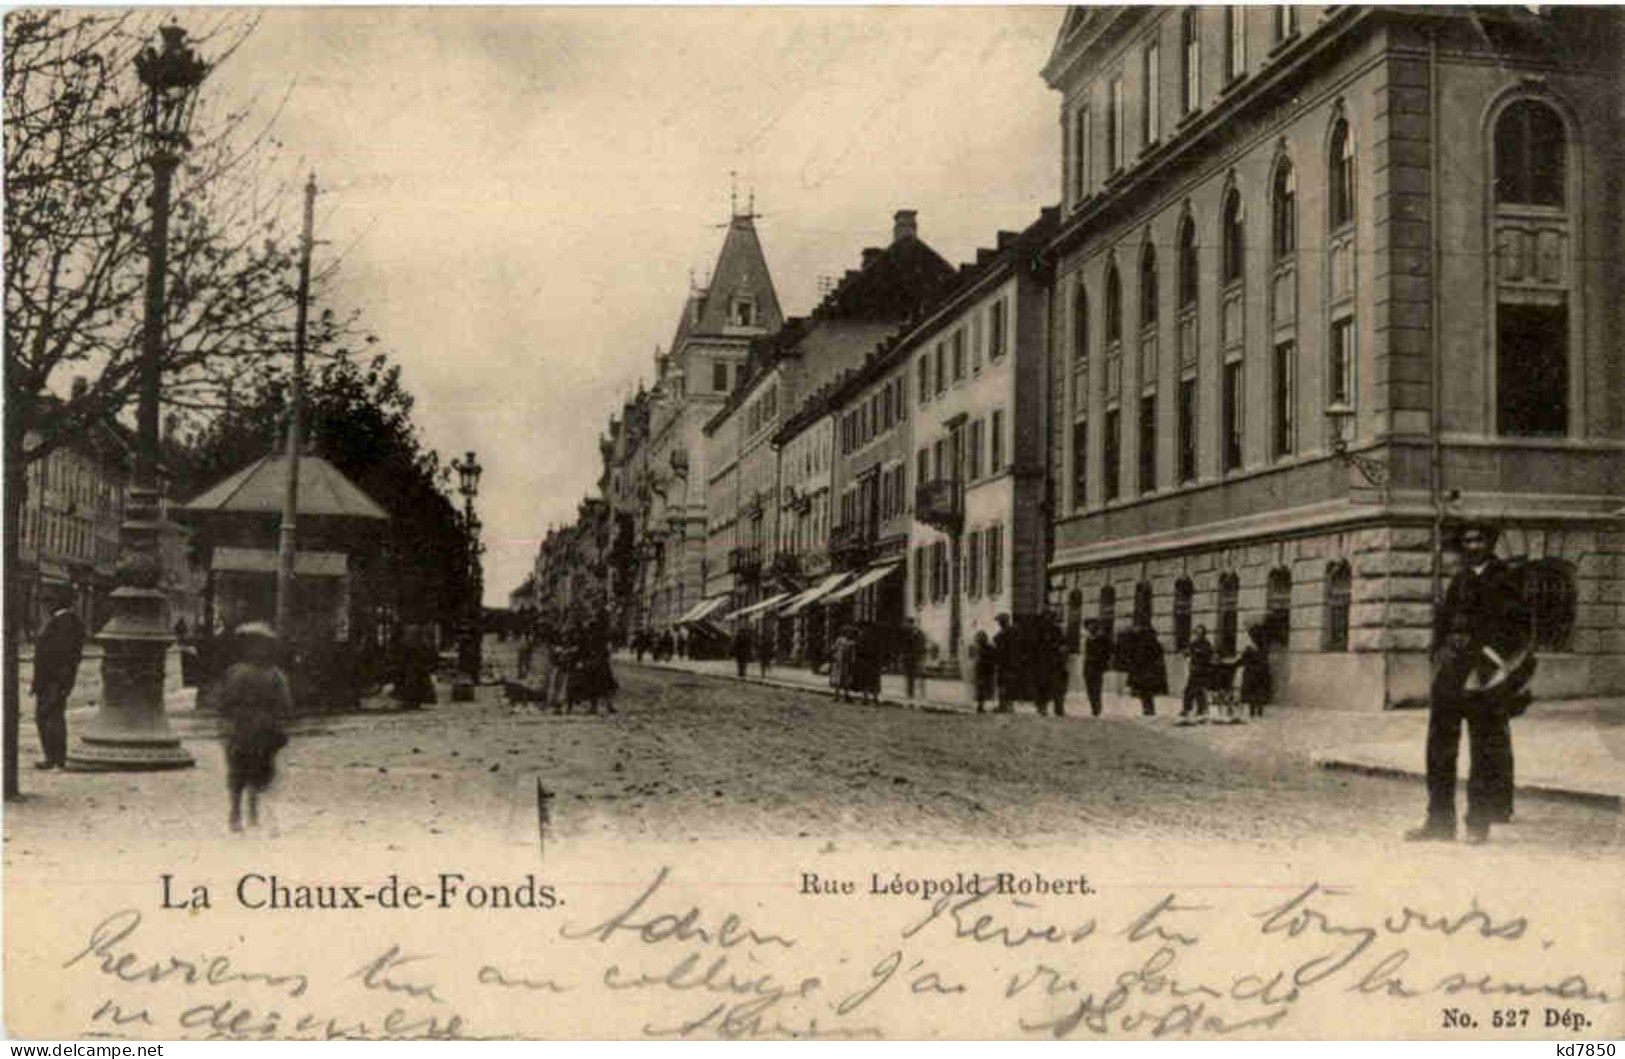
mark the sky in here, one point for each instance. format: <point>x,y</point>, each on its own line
<point>516,198</point>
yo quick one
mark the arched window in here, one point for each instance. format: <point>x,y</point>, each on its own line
<point>1549,592</point>
<point>1278,607</point>
<point>1341,175</point>
<point>1148,286</point>
<point>1080,325</point>
<point>1233,240</point>
<point>1114,305</point>
<point>1339,593</point>
<point>1142,604</point>
<point>1184,594</point>
<point>1229,596</point>
<point>1108,609</point>
<point>1284,211</point>
<point>1187,262</point>
<point>1530,155</point>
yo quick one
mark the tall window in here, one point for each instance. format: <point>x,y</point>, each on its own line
<point>1229,596</point>
<point>1530,155</point>
<point>1278,607</point>
<point>919,576</point>
<point>1080,325</point>
<point>1190,65</point>
<point>1080,154</point>
<point>1114,305</point>
<point>1148,286</point>
<point>1284,212</point>
<point>1286,396</point>
<point>958,346</point>
<point>1235,42</point>
<point>1184,593</point>
<point>1080,464</point>
<point>925,377</point>
<point>1187,430</point>
<point>1148,443</point>
<point>1233,238</point>
<point>1531,369</point>
<point>1339,594</point>
<point>1532,322</point>
<point>995,560</point>
<point>1115,154</point>
<point>1108,609</point>
<point>1340,370</point>
<point>1142,604</point>
<point>1232,403</point>
<point>719,376</point>
<point>1341,173</point>
<point>1111,444</point>
<point>1187,263</point>
<point>942,367</point>
<point>996,325</point>
<point>1284,20</point>
<point>973,459</point>
<point>1151,75</point>
<point>995,455</point>
<point>973,565</point>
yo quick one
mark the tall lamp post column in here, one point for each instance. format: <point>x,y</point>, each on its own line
<point>468,655</point>
<point>129,730</point>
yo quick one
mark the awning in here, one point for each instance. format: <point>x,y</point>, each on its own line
<point>745,612</point>
<point>701,609</point>
<point>813,594</point>
<point>867,578</point>
<point>264,561</point>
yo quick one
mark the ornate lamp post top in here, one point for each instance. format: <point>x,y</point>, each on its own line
<point>171,77</point>
<point>468,475</point>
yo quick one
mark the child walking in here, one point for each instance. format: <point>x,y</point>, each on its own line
<point>254,699</point>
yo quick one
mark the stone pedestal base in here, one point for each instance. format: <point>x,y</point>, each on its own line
<point>130,731</point>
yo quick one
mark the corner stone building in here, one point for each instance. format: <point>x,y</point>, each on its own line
<point>1328,278</point>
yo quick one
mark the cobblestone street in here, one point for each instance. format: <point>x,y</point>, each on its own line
<point>695,757</point>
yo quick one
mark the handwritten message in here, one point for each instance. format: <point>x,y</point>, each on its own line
<point>675,961</point>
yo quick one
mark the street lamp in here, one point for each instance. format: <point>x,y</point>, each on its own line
<point>1340,418</point>
<point>129,730</point>
<point>468,656</point>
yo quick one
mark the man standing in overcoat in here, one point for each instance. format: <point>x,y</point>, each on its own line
<point>56,665</point>
<point>1480,631</point>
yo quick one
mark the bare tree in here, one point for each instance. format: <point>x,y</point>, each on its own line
<point>77,188</point>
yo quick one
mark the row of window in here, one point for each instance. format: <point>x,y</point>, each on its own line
<point>981,569</point>
<point>64,535</point>
<point>884,409</point>
<point>946,363</point>
<point>762,411</point>
<point>957,455</point>
<point>1284,23</point>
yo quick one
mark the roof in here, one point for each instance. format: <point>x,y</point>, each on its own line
<point>261,488</point>
<point>741,270</point>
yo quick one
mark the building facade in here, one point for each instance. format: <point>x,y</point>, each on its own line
<point>785,369</point>
<point>979,370</point>
<point>1328,278</point>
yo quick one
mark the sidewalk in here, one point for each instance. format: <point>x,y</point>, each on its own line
<point>1573,749</point>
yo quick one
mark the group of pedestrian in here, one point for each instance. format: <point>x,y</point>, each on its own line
<point>857,659</point>
<point>659,646</point>
<point>570,667</point>
<point>1018,664</point>
<point>1211,681</point>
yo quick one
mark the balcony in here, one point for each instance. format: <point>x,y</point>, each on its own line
<point>939,504</point>
<point>850,544</point>
<point>745,563</point>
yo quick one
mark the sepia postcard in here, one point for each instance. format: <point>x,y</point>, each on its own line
<point>767,523</point>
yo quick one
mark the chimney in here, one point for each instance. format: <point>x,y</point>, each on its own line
<point>869,255</point>
<point>905,225</point>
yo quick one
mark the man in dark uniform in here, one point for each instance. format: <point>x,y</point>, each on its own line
<point>742,648</point>
<point>56,665</point>
<point>1004,661</point>
<point>1051,677</point>
<point>1480,630</point>
<point>1097,657</point>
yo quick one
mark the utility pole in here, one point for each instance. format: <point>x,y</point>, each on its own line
<point>287,541</point>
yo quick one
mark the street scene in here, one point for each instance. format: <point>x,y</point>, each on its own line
<point>715,438</point>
